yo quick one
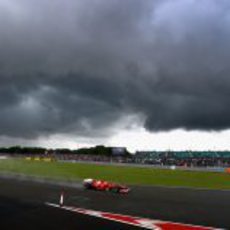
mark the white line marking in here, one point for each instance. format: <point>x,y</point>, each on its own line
<point>135,221</point>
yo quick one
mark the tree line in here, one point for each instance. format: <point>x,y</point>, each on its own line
<point>97,150</point>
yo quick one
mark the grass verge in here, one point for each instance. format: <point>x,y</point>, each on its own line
<point>121,174</point>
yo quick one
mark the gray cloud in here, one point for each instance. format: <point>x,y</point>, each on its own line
<point>79,66</point>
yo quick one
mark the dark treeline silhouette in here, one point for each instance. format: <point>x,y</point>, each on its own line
<point>97,150</point>
<point>22,150</point>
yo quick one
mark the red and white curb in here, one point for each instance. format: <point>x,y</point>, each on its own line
<point>136,221</point>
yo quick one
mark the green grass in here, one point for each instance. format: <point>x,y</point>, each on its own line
<point>127,175</point>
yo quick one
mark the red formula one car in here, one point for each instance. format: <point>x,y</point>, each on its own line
<point>101,185</point>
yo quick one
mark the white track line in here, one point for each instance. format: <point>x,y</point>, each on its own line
<point>135,221</point>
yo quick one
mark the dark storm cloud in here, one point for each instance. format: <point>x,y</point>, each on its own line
<point>79,66</point>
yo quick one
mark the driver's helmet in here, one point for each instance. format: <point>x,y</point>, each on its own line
<point>88,181</point>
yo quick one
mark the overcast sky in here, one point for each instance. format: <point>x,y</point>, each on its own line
<point>137,73</point>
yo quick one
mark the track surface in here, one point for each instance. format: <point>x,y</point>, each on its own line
<point>22,206</point>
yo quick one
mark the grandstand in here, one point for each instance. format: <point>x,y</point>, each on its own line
<point>184,158</point>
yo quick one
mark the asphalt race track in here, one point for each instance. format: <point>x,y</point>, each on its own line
<point>22,205</point>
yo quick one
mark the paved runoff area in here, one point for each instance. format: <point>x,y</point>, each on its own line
<point>35,205</point>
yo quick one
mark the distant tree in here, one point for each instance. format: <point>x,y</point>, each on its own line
<point>97,150</point>
<point>63,151</point>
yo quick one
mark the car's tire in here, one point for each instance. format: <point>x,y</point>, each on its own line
<point>87,186</point>
<point>114,190</point>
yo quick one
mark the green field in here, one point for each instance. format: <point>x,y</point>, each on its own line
<point>127,175</point>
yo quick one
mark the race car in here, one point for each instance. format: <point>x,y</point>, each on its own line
<point>101,185</point>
